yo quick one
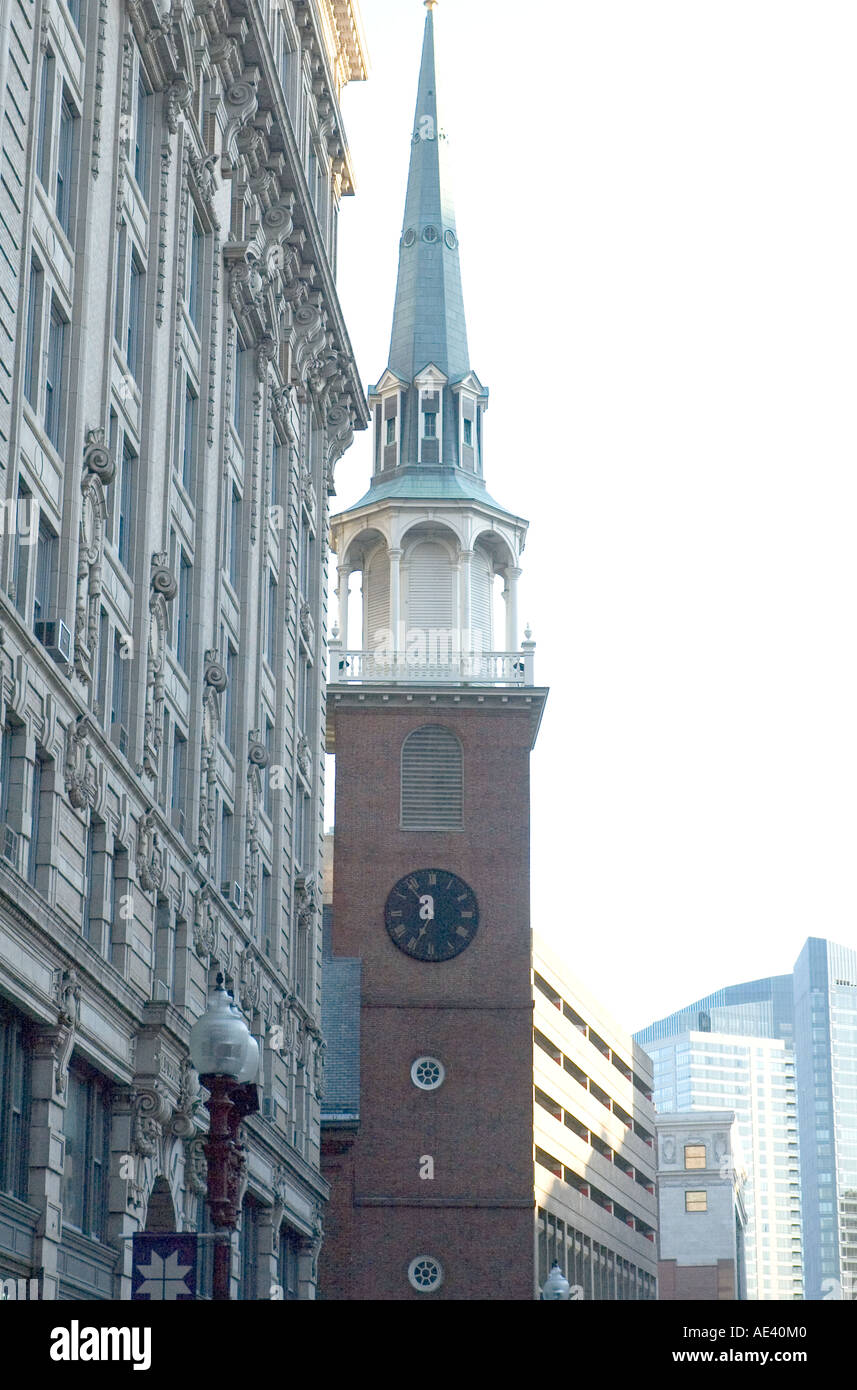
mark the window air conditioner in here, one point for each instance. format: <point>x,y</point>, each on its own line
<point>55,637</point>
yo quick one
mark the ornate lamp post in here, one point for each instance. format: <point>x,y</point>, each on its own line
<point>556,1286</point>
<point>227,1059</point>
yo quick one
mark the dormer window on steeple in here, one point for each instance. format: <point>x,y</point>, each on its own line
<point>430,424</point>
<point>468,432</point>
<point>391,430</point>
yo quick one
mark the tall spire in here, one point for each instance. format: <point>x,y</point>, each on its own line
<point>428,319</point>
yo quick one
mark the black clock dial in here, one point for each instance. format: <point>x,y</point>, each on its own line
<point>431,915</point>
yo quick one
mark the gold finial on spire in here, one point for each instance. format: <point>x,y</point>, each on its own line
<point>430,4</point>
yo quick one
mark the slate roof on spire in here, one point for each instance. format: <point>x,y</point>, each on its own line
<point>428,319</point>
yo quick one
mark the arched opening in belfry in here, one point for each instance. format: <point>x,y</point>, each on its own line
<point>160,1213</point>
<point>430,572</point>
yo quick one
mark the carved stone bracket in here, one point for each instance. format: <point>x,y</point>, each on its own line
<point>81,773</point>
<point>98,469</point>
<point>68,1017</point>
<point>151,865</point>
<point>204,925</point>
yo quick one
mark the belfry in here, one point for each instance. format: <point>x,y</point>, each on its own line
<point>427,1138</point>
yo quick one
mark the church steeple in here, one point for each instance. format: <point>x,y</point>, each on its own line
<point>428,319</point>
<point>427,538</point>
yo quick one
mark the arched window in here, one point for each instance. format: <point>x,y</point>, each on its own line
<point>431,780</point>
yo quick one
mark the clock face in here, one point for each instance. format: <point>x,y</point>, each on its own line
<point>431,915</point>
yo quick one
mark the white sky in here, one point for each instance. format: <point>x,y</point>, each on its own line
<point>657,209</point>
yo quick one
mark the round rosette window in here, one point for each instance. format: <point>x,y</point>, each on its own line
<point>431,234</point>
<point>450,239</point>
<point>427,1073</point>
<point>409,237</point>
<point>425,1273</point>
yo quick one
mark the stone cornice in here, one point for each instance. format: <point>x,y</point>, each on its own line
<point>420,697</point>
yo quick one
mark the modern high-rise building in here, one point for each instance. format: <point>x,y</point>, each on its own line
<point>793,1044</point>
<point>825,1039</point>
<point>176,386</point>
<point>754,1077</point>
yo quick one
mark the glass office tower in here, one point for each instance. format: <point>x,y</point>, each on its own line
<point>814,1013</point>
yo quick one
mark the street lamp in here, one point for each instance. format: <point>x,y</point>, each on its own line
<point>556,1286</point>
<point>227,1059</point>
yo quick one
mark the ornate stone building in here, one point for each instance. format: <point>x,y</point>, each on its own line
<point>176,386</point>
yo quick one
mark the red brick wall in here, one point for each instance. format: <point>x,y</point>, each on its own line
<point>474,1013</point>
<point>709,1283</point>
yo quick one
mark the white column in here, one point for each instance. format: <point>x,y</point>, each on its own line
<point>343,574</point>
<point>464,600</point>
<point>395,596</point>
<point>510,594</point>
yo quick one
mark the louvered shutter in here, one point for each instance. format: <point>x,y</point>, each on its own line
<point>377,600</point>
<point>480,603</point>
<point>430,588</point>
<point>431,780</point>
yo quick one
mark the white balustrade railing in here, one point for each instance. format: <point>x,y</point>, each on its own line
<point>477,668</point>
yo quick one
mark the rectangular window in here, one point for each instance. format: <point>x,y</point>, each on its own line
<point>191,404</point>
<point>75,12</point>
<point>133,341</point>
<point>35,818</point>
<point>31,342</point>
<point>271,634</point>
<point>5,766</point>
<point>53,376</point>
<point>430,424</point>
<point>288,1262</point>
<point>46,562</point>
<point>269,745</point>
<point>276,473</point>
<point>225,845</point>
<point>88,867</point>
<point>103,655</point>
<point>694,1155</point>
<point>65,154</point>
<point>231,701</point>
<point>238,388</point>
<point>696,1201</point>
<point>141,137</point>
<point>14,1103</point>
<point>87,1128</point>
<point>119,871</point>
<point>43,138</point>
<point>179,781</point>
<point>194,296</point>
<point>183,599</point>
<point>119,704</point>
<point>264,918</point>
<point>468,432</point>
<point>234,537</point>
<point>126,504</point>
<point>391,430</point>
<point>119,287</point>
<point>249,1248</point>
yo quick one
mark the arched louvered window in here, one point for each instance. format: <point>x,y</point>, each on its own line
<point>431,780</point>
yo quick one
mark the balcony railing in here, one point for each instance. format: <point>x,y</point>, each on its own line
<point>474,668</point>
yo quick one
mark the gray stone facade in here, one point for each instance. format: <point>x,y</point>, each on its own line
<point>176,386</point>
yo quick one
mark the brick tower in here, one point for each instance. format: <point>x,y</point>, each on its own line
<point>432,722</point>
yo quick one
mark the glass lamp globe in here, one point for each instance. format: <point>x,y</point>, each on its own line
<point>556,1286</point>
<point>250,1070</point>
<point>219,1039</point>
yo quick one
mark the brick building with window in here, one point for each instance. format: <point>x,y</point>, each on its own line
<point>176,386</point>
